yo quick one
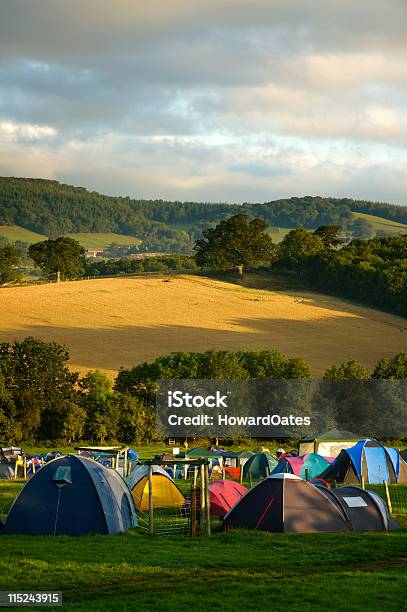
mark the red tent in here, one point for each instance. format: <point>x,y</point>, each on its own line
<point>223,495</point>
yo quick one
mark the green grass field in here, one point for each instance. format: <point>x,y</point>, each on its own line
<point>88,240</point>
<point>390,227</point>
<point>100,240</point>
<point>230,571</point>
<point>14,232</point>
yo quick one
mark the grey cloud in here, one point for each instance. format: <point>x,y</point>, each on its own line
<point>179,99</point>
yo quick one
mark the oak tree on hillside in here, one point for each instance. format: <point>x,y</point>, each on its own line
<point>235,243</point>
<point>329,234</point>
<point>64,257</point>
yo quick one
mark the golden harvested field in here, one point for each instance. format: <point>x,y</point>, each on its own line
<point>110,323</point>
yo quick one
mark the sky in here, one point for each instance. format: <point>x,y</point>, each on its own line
<point>209,100</point>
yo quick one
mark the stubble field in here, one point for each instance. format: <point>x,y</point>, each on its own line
<point>110,323</point>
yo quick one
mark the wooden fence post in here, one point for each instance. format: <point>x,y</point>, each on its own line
<point>207,502</point>
<point>125,464</point>
<point>386,488</point>
<point>202,500</point>
<point>193,505</point>
<point>150,500</point>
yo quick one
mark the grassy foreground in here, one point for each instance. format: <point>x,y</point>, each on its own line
<point>233,571</point>
<point>230,571</point>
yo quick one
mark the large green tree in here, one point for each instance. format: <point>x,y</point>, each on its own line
<point>235,243</point>
<point>41,385</point>
<point>329,234</point>
<point>298,245</point>
<point>64,257</point>
<point>9,260</point>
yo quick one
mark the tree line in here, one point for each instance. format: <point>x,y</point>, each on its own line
<point>371,271</point>
<point>41,399</point>
<point>56,209</point>
<point>130,265</point>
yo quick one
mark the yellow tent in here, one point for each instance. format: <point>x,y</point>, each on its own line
<point>165,492</point>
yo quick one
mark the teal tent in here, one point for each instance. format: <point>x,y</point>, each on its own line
<point>259,466</point>
<point>306,467</point>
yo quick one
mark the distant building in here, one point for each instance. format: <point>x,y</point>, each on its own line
<point>94,252</point>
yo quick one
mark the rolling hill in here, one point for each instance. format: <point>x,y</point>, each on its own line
<point>54,209</point>
<point>89,240</point>
<point>380,224</point>
<point>110,323</point>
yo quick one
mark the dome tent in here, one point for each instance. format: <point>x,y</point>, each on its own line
<point>223,495</point>
<point>329,443</point>
<point>306,467</point>
<point>365,510</point>
<point>72,495</point>
<point>285,503</point>
<point>259,466</point>
<point>166,494</point>
<point>6,470</point>
<point>368,459</point>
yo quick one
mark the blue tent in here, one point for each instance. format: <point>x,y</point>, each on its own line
<point>368,459</point>
<point>72,495</point>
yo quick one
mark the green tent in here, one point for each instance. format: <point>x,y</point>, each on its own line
<point>329,443</point>
<point>259,466</point>
<point>202,453</point>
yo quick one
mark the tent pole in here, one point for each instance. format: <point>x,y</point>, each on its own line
<point>150,500</point>
<point>241,472</point>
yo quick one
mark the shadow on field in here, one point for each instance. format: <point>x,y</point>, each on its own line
<point>321,342</point>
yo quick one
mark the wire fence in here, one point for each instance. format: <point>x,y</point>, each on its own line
<point>397,496</point>
<point>157,273</point>
<point>167,507</point>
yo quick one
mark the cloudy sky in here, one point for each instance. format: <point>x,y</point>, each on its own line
<point>221,100</point>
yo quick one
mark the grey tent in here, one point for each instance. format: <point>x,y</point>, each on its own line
<point>364,510</point>
<point>72,495</point>
<point>285,503</point>
<point>6,470</point>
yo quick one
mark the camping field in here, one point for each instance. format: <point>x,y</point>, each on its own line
<point>108,323</point>
<point>229,571</point>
